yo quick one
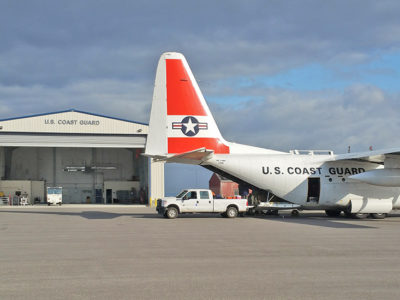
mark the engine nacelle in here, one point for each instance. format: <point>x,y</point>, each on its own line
<point>381,177</point>
<point>368,206</point>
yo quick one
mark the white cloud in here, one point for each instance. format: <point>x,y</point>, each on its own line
<point>360,116</point>
<point>123,99</point>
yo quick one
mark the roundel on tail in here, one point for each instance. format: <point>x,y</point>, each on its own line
<point>190,126</point>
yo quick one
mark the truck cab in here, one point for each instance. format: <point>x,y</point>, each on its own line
<point>197,201</point>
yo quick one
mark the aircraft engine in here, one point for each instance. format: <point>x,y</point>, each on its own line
<point>381,177</point>
<point>370,206</point>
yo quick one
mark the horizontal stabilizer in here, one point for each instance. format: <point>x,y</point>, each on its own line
<point>191,157</point>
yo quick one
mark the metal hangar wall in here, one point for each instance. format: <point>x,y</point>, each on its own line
<point>94,158</point>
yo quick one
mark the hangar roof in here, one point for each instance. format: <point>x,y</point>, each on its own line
<point>72,128</point>
<point>72,121</point>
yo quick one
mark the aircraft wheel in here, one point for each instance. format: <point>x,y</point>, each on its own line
<point>295,213</point>
<point>379,216</point>
<point>250,212</point>
<point>172,213</point>
<point>347,214</point>
<point>231,212</point>
<point>332,212</point>
<point>359,216</point>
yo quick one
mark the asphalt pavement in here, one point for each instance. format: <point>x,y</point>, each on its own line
<point>127,252</point>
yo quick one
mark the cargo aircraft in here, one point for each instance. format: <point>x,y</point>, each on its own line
<point>183,130</point>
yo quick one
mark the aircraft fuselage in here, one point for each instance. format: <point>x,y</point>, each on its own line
<point>291,177</point>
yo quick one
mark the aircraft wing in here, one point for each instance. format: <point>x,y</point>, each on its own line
<point>376,156</point>
<point>195,157</point>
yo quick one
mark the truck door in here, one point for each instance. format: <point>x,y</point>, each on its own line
<point>189,202</point>
<point>205,202</point>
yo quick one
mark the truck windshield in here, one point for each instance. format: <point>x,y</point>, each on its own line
<point>181,194</point>
<point>52,191</point>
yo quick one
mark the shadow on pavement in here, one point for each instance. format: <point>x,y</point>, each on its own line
<point>304,219</point>
<point>320,220</point>
<point>91,215</point>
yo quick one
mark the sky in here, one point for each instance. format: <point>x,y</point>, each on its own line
<point>276,74</point>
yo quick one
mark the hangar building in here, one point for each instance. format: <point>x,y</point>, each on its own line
<point>94,158</point>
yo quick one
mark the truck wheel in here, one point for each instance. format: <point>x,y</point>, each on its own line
<point>378,216</point>
<point>172,213</point>
<point>231,212</point>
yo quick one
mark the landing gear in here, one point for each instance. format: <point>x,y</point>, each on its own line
<point>332,212</point>
<point>378,216</point>
<point>359,216</point>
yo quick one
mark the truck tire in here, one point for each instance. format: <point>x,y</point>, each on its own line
<point>172,213</point>
<point>231,212</point>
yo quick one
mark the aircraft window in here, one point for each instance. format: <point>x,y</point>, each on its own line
<point>204,195</point>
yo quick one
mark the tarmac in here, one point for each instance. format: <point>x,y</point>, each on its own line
<point>128,252</point>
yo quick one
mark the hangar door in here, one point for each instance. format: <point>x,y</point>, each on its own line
<point>85,174</point>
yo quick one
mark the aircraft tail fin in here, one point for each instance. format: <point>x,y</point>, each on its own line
<point>180,119</point>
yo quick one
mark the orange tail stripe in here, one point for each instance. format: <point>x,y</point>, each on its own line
<point>185,144</point>
<point>181,95</point>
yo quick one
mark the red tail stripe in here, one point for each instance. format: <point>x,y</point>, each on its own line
<point>182,98</point>
<point>181,145</point>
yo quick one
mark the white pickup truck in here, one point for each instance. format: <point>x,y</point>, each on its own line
<point>200,201</point>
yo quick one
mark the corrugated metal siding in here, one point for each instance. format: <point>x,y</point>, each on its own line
<point>79,141</point>
<point>156,181</point>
